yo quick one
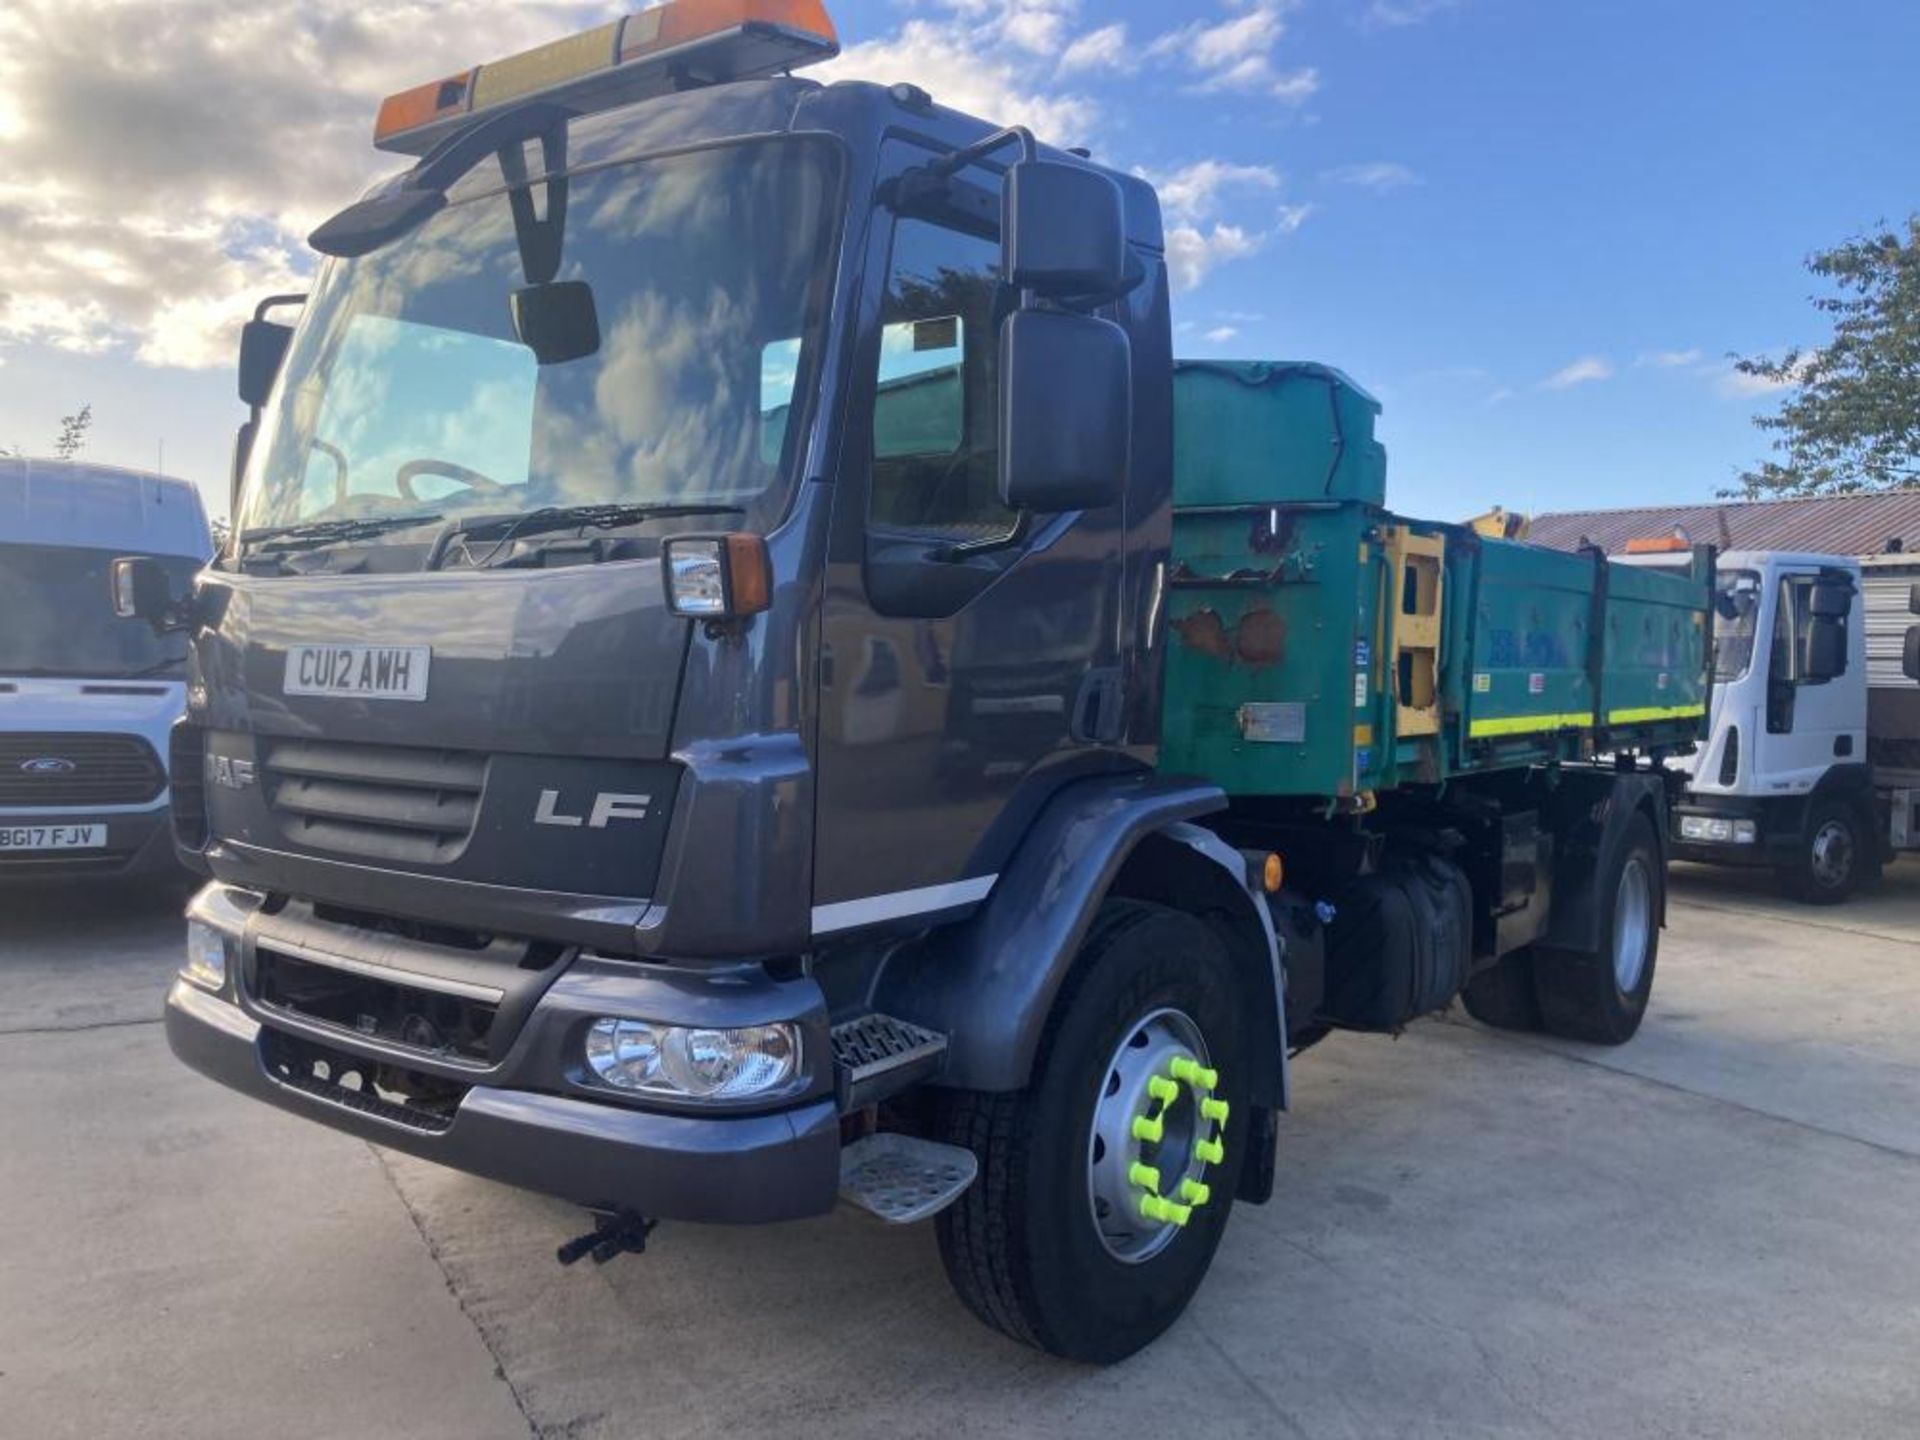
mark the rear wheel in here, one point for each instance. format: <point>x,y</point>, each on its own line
<point>1105,1186</point>
<point>1601,995</point>
<point>1835,854</point>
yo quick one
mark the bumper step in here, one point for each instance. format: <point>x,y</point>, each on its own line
<point>876,1055</point>
<point>902,1178</point>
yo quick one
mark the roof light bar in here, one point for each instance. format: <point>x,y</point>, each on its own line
<point>667,47</point>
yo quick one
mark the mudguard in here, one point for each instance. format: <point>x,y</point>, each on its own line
<point>988,982</point>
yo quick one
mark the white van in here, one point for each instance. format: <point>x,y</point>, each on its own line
<point>87,699</point>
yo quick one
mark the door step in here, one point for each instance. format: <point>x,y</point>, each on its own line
<point>902,1178</point>
<point>876,1055</point>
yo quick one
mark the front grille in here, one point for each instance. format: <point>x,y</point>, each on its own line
<point>75,771</point>
<point>401,1097</point>
<point>187,763</point>
<point>447,1027</point>
<point>380,802</point>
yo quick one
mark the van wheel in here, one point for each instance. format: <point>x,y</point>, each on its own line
<point>1834,854</point>
<point>1105,1185</point>
<point>1600,996</point>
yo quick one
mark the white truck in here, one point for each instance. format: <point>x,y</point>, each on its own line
<point>1810,763</point>
<point>87,698</point>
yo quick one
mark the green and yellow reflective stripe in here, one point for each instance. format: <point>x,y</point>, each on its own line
<point>1655,712</point>
<point>1529,724</point>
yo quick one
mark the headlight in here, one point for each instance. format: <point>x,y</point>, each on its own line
<point>1716,830</point>
<point>206,956</point>
<point>690,1063</point>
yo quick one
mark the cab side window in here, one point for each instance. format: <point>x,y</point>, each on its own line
<point>935,458</point>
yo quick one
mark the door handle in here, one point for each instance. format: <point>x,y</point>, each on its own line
<point>1097,708</point>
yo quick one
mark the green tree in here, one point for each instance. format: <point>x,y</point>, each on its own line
<point>1852,421</point>
<point>73,432</point>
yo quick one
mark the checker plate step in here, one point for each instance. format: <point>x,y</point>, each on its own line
<point>876,1055</point>
<point>902,1178</point>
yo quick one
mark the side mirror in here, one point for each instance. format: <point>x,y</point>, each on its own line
<point>263,346</point>
<point>1831,599</point>
<point>1063,230</point>
<point>1910,654</point>
<point>1826,649</point>
<point>142,591</point>
<point>1066,411</point>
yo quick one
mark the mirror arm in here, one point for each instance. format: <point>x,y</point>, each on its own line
<point>966,155</point>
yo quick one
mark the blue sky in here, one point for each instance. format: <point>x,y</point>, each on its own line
<point>1534,228</point>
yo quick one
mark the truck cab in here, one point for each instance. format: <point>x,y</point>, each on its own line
<point>88,698</point>
<point>1784,778</point>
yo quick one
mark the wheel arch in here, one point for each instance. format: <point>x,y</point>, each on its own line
<point>1591,814</point>
<point>989,982</point>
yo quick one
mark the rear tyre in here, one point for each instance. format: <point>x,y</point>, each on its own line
<point>1050,1245</point>
<point>1835,854</point>
<point>1503,995</point>
<point>1600,996</point>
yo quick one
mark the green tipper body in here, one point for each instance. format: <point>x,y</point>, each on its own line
<point>1320,646</point>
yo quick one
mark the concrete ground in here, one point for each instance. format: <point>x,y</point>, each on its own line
<point>1709,1232</point>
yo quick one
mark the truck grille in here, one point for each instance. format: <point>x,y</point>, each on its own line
<point>71,771</point>
<point>381,802</point>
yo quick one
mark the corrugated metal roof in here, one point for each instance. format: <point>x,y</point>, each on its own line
<point>1829,524</point>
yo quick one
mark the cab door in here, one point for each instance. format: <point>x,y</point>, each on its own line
<point>971,657</point>
<point>1814,717</point>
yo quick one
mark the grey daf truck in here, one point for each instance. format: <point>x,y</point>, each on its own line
<point>685,721</point>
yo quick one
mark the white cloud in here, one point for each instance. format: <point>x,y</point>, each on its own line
<point>1220,334</point>
<point>1236,54</point>
<point>1378,176</point>
<point>1195,191</point>
<point>1102,49</point>
<point>1583,371</point>
<point>1668,359</point>
<point>162,168</point>
<point>1738,385</point>
<point>1195,198</point>
<point>980,56</point>
<point>1192,252</point>
<point>1397,14</point>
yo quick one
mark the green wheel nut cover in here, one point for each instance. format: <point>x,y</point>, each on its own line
<point>1151,1128</point>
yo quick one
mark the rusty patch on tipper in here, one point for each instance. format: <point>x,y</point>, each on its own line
<point>1260,638</point>
<point>1204,631</point>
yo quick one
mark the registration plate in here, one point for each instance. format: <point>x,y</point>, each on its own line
<point>53,837</point>
<point>366,672</point>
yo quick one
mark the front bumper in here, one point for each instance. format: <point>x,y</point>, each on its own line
<point>745,1169</point>
<point>139,846</point>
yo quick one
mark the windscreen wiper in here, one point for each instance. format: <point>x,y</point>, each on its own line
<point>507,527</point>
<point>306,536</point>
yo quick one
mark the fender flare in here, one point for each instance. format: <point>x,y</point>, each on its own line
<point>989,982</point>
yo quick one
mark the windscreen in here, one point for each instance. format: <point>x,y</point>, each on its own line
<point>60,621</point>
<point>460,370</point>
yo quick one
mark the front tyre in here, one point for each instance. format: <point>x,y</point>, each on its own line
<point>1834,854</point>
<point>1600,996</point>
<point>1105,1186</point>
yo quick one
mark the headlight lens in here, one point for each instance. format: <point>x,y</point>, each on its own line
<point>693,1063</point>
<point>1718,830</point>
<point>206,956</point>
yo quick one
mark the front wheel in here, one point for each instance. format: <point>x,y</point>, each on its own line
<point>1601,995</point>
<point>1105,1186</point>
<point>1834,854</point>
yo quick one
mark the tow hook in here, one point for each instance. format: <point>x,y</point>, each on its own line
<point>617,1232</point>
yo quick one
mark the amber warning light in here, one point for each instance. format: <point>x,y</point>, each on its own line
<point>668,47</point>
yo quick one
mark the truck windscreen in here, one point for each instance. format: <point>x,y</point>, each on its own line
<point>60,621</point>
<point>409,391</point>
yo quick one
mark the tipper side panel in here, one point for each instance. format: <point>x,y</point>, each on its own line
<point>1319,646</point>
